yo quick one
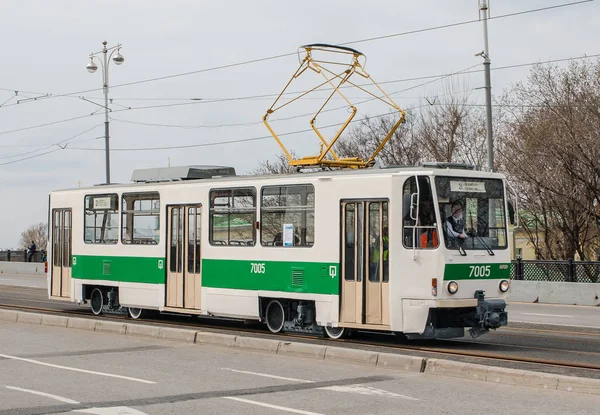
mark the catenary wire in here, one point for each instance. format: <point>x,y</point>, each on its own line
<point>441,76</point>
<point>268,58</point>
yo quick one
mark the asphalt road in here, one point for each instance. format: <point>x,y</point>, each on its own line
<point>529,340</point>
<point>45,370</point>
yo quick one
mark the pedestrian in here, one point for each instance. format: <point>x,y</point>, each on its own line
<point>31,251</point>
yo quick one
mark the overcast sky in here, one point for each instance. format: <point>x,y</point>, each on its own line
<point>46,46</point>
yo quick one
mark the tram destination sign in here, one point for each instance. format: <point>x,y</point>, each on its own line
<point>102,203</point>
<point>460,186</point>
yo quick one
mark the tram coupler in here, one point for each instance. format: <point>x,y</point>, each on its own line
<point>490,314</point>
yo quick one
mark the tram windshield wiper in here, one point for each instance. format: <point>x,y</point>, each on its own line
<point>474,232</point>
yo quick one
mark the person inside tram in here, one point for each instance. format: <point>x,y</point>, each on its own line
<point>455,225</point>
<point>428,238</point>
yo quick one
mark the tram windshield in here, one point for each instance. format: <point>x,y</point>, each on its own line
<point>473,214</point>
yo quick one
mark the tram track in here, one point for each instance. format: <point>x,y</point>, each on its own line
<point>460,350</point>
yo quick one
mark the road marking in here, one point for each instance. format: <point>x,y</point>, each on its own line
<point>545,315</point>
<point>73,369</point>
<point>367,390</point>
<point>267,376</point>
<point>359,389</point>
<point>116,410</point>
<point>46,395</point>
<point>267,405</point>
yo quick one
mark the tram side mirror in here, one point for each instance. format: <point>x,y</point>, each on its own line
<point>410,206</point>
<point>511,213</point>
<point>406,207</point>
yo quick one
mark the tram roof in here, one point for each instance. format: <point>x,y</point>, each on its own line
<point>430,170</point>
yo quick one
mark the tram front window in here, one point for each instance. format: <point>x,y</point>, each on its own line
<point>472,211</point>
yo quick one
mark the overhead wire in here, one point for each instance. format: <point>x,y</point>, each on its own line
<point>278,56</point>
<point>241,140</point>
<point>48,146</point>
<point>435,77</point>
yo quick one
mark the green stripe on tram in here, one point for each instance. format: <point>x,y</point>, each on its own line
<point>299,277</point>
<point>477,271</point>
<point>148,270</point>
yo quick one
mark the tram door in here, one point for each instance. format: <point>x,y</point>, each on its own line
<point>184,279</point>
<point>365,262</point>
<point>61,253</point>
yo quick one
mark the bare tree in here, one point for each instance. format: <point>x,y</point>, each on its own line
<point>552,153</point>
<point>37,233</point>
<point>279,166</point>
<point>452,128</point>
<point>403,148</point>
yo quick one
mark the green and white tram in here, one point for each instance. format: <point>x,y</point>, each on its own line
<point>326,252</point>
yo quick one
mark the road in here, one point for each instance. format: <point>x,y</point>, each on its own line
<point>45,370</point>
<point>555,314</point>
<point>31,281</point>
<point>575,350</point>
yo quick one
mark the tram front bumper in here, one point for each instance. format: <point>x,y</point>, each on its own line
<point>489,314</point>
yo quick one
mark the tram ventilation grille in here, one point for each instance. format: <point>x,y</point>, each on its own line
<point>298,277</point>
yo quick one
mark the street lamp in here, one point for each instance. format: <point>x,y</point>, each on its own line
<point>92,67</point>
<point>484,14</point>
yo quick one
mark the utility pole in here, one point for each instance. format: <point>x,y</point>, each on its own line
<point>92,67</point>
<point>484,14</point>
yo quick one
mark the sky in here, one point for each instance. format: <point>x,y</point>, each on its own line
<point>45,89</point>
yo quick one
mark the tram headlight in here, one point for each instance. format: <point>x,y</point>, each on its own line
<point>452,287</point>
<point>504,285</point>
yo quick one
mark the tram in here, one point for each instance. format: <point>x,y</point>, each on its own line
<point>325,252</point>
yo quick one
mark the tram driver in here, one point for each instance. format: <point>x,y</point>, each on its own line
<point>455,226</point>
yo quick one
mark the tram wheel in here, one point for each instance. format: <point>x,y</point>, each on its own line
<point>275,316</point>
<point>135,313</point>
<point>97,301</point>
<point>336,332</point>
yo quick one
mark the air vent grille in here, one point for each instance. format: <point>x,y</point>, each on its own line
<point>298,277</point>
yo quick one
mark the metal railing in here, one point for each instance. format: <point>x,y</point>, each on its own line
<point>555,271</point>
<point>20,256</point>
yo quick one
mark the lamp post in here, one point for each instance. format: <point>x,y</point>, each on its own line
<point>484,14</point>
<point>92,67</point>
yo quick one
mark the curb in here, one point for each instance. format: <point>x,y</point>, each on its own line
<point>436,367</point>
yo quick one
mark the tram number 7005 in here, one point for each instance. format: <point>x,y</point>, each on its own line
<point>479,271</point>
<point>257,268</point>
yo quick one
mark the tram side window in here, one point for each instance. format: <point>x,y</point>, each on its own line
<point>101,220</point>
<point>422,232</point>
<point>287,215</point>
<point>141,218</point>
<point>232,217</point>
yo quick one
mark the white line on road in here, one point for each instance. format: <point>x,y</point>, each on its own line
<point>73,369</point>
<point>267,405</point>
<point>268,376</point>
<point>359,389</point>
<point>46,395</point>
<point>544,315</point>
<point>117,410</point>
<point>367,390</point>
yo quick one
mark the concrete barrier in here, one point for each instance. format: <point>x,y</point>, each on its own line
<point>111,327</point>
<point>181,335</point>
<point>22,268</point>
<point>215,339</point>
<point>29,318</point>
<point>257,344</point>
<point>341,354</point>
<point>313,351</point>
<point>390,361</point>
<point>8,315</point>
<point>569,293</point>
<point>56,321</point>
